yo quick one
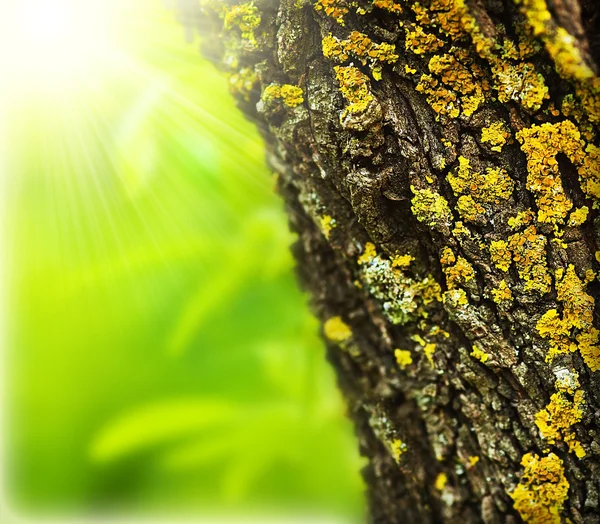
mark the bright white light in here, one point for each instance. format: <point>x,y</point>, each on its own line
<point>54,39</point>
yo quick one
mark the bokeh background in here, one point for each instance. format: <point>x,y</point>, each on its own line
<point>159,357</point>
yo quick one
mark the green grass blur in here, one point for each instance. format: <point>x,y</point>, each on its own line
<point>160,357</point>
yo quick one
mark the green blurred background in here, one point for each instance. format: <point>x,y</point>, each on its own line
<point>160,357</point>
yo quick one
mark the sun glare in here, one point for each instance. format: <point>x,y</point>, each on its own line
<point>51,41</point>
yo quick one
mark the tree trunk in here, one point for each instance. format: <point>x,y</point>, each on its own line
<point>438,161</point>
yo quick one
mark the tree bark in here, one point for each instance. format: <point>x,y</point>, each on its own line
<point>438,162</point>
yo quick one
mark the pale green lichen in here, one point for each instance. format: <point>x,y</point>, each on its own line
<point>403,298</point>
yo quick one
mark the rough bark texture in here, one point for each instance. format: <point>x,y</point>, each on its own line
<point>437,161</point>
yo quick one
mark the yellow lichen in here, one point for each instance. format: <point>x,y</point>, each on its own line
<point>476,190</point>
<point>529,255</point>
<point>246,18</point>
<point>458,271</point>
<point>455,298</point>
<point>479,354</point>
<point>398,448</point>
<point>388,5</point>
<point>355,87</point>
<point>327,223</point>
<point>540,495</point>
<point>290,95</point>
<point>564,51</point>
<point>441,481</point>
<point>556,419</point>
<point>337,330</point>
<point>500,254</point>
<point>402,261</point>
<point>578,216</point>
<point>542,144</point>
<point>502,294</point>
<point>360,47</point>
<point>573,330</point>
<point>335,9</point>
<point>430,207</point>
<point>473,460</point>
<point>496,135</point>
<point>369,253</point>
<point>429,350</point>
<point>403,358</point>
<point>420,42</point>
<point>521,219</point>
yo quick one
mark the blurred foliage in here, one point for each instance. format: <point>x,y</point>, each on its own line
<point>160,354</point>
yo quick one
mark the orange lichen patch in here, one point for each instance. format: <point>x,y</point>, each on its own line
<point>388,5</point>
<point>502,294</point>
<point>403,358</point>
<point>529,255</point>
<point>564,51</point>
<point>458,74</point>
<point>479,354</point>
<point>556,419</point>
<point>245,17</point>
<point>577,317</point>
<point>543,489</point>
<point>457,270</point>
<point>541,144</point>
<point>589,348</point>
<point>360,47</point>
<point>420,42</point>
<point>335,9</point>
<point>496,135</point>
<point>441,99</point>
<point>337,330</point>
<point>521,219</point>
<point>578,306</point>
<point>402,261</point>
<point>290,95</point>
<point>327,223</point>
<point>477,190</point>
<point>398,448</point>
<point>355,87</point>
<point>500,254</point>
<point>430,207</point>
